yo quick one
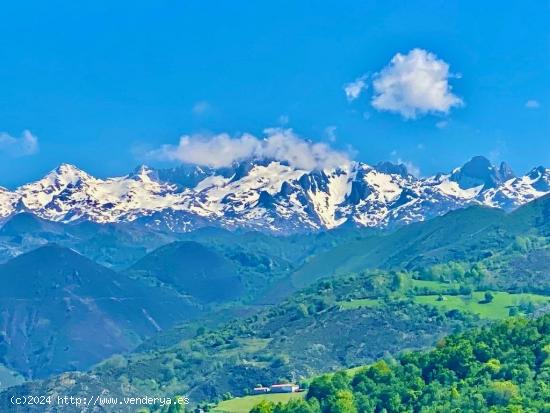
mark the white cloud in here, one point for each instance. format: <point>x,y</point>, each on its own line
<point>442,124</point>
<point>200,108</point>
<point>532,104</point>
<point>279,144</point>
<point>26,144</point>
<point>414,84</point>
<point>353,89</point>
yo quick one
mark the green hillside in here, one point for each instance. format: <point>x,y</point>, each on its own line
<point>441,239</point>
<point>68,312</point>
<point>306,335</point>
<point>501,305</point>
<point>337,323</point>
<point>192,269</point>
<point>504,368</point>
<point>345,321</point>
<point>470,235</point>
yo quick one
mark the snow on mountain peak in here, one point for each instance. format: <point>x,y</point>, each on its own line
<point>144,172</point>
<point>271,195</point>
<point>38,194</point>
<point>8,201</point>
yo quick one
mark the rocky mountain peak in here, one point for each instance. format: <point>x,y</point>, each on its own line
<point>505,172</point>
<point>270,196</point>
<point>145,173</point>
<point>392,168</point>
<point>478,171</point>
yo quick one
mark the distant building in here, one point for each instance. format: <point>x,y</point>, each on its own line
<point>284,388</point>
<point>260,390</point>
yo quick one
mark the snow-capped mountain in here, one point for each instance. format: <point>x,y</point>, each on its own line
<point>270,195</point>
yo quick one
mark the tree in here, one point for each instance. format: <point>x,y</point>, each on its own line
<point>320,388</point>
<point>465,290</point>
<point>397,282</point>
<point>493,365</point>
<point>173,408</point>
<point>342,402</point>
<point>340,380</point>
<point>301,406</point>
<point>488,297</point>
<point>263,407</point>
<point>501,392</point>
<point>379,371</point>
<point>280,361</point>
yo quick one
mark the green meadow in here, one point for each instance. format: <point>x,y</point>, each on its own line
<point>244,404</point>
<point>498,308</point>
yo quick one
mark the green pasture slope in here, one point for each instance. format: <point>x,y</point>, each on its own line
<point>497,309</point>
<point>244,404</point>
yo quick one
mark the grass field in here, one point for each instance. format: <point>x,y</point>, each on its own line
<point>364,302</point>
<point>496,309</point>
<point>435,286</point>
<point>244,404</point>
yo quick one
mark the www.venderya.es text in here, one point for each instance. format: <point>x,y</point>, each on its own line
<point>98,400</point>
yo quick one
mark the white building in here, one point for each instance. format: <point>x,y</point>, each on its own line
<point>284,388</point>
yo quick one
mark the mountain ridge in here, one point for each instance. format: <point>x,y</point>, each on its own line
<point>62,311</point>
<point>271,196</point>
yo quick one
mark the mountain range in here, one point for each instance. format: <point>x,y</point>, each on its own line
<point>271,196</point>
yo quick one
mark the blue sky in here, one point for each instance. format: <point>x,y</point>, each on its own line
<point>101,84</point>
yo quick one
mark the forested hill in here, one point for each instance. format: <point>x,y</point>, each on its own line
<point>504,368</point>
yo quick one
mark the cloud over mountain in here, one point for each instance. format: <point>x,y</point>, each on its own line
<point>414,84</point>
<point>25,145</point>
<point>279,144</point>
